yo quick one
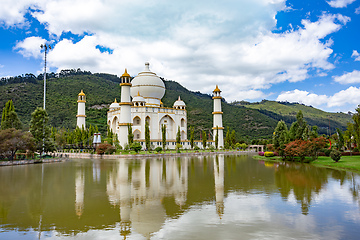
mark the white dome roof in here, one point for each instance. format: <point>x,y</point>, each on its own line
<point>138,98</point>
<point>148,84</point>
<point>179,102</point>
<point>114,105</point>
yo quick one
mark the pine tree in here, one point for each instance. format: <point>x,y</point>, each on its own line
<point>227,139</point>
<point>9,117</point>
<point>192,137</point>
<point>178,136</point>
<point>40,129</point>
<point>217,138</point>
<point>130,135</point>
<point>163,134</point>
<point>147,135</point>
<point>280,137</point>
<point>204,139</point>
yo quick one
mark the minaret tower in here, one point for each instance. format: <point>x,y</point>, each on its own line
<point>218,126</point>
<point>125,108</point>
<point>81,110</point>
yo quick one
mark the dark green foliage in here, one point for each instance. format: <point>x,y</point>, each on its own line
<point>135,146</point>
<point>9,117</point>
<point>192,137</point>
<point>130,135</point>
<point>227,139</point>
<point>204,139</point>
<point>147,135</point>
<point>158,149</point>
<point>217,138</point>
<point>163,136</point>
<point>340,141</point>
<point>335,155</point>
<point>196,148</point>
<point>178,137</point>
<point>280,137</point>
<point>40,129</point>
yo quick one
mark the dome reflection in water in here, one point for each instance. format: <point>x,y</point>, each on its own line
<point>207,197</point>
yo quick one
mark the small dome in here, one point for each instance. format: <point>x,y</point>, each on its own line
<point>179,103</point>
<point>81,93</point>
<point>148,84</point>
<point>125,74</point>
<point>217,89</point>
<point>114,105</point>
<point>138,98</point>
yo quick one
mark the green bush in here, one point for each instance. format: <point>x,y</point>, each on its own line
<point>327,152</point>
<point>268,154</point>
<point>136,147</point>
<point>355,150</point>
<point>196,148</point>
<point>335,155</point>
<point>158,149</point>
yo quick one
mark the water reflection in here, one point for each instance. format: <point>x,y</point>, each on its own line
<point>177,198</point>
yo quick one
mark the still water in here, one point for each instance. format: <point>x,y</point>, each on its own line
<point>212,197</point>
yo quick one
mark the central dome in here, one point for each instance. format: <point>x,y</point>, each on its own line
<point>148,85</point>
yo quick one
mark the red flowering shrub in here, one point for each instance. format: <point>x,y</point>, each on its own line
<point>304,148</point>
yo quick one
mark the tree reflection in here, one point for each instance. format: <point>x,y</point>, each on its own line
<point>303,180</point>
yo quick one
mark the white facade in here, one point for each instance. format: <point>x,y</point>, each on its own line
<point>81,110</point>
<point>217,113</point>
<point>146,90</point>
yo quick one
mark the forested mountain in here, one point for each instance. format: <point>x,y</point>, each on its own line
<point>249,120</point>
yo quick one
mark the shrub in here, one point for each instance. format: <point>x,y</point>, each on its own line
<point>335,155</point>
<point>211,148</point>
<point>276,154</point>
<point>136,147</point>
<point>102,148</point>
<point>110,150</point>
<point>261,153</point>
<point>349,153</point>
<point>196,148</point>
<point>355,149</point>
<point>158,149</point>
<point>327,152</point>
<point>268,154</point>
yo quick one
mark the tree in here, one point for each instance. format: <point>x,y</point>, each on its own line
<point>341,141</point>
<point>136,147</point>
<point>227,139</point>
<point>217,138</point>
<point>9,117</point>
<point>163,136</point>
<point>110,136</point>
<point>302,148</point>
<point>147,135</point>
<point>41,131</point>
<point>178,136</point>
<point>280,137</point>
<point>204,139</point>
<point>232,139</point>
<point>12,140</point>
<point>192,137</point>
<point>356,126</point>
<point>130,135</point>
<point>298,127</point>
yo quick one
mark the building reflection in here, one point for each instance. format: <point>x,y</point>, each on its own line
<point>219,184</point>
<point>79,192</point>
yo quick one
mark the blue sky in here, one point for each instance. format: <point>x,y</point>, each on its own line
<point>296,51</point>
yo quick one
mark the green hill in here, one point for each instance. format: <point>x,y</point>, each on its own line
<point>250,121</point>
<point>287,112</point>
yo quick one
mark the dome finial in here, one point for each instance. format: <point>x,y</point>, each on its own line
<point>138,93</point>
<point>81,93</point>
<point>179,99</point>
<point>115,101</point>
<point>125,74</point>
<point>217,89</point>
<point>147,67</point>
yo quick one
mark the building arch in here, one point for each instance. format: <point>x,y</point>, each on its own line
<point>137,121</point>
<point>182,124</point>
<point>183,135</point>
<point>137,134</point>
<point>114,123</point>
<point>169,122</point>
<point>147,119</point>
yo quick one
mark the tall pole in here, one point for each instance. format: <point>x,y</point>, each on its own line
<point>45,47</point>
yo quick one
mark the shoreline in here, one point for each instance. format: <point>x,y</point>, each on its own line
<point>62,157</point>
<point>106,156</point>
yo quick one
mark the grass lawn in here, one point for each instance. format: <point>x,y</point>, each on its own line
<point>351,163</point>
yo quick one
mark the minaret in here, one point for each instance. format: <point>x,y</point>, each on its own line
<point>125,109</point>
<point>81,110</point>
<point>218,118</point>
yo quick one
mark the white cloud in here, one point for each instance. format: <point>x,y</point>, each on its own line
<point>348,98</point>
<point>355,55</point>
<point>303,97</point>
<point>357,10</point>
<point>348,78</point>
<point>30,47</point>
<point>197,43</point>
<point>340,3</point>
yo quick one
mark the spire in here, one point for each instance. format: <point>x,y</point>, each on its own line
<point>147,67</point>
<point>81,93</point>
<point>217,89</point>
<point>179,99</point>
<point>125,74</point>
<point>115,101</point>
<point>138,94</point>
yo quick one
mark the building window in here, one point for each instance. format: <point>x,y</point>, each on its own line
<point>138,136</point>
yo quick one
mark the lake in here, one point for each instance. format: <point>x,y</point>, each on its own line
<point>207,197</point>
